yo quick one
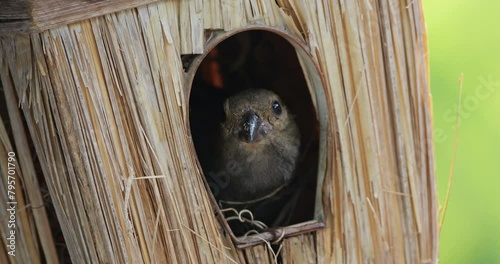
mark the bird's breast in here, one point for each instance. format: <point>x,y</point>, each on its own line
<point>256,168</point>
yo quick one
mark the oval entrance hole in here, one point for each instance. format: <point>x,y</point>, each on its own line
<point>259,59</point>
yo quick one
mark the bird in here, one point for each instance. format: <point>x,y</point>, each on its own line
<point>258,147</point>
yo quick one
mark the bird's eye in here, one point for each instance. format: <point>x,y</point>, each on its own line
<point>277,108</point>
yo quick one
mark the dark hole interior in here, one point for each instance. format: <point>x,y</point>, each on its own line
<point>256,59</point>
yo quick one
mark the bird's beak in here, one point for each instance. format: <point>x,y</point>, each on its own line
<point>250,126</point>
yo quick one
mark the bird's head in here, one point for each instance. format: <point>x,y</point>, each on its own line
<point>255,115</point>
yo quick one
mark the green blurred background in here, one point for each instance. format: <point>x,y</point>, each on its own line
<point>464,37</point>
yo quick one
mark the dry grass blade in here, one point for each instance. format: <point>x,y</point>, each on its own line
<point>33,224</point>
<point>453,159</point>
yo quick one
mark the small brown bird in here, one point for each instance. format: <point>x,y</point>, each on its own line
<point>259,146</point>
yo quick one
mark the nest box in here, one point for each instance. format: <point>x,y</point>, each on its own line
<point>108,91</point>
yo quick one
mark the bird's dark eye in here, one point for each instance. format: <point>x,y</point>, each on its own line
<point>277,108</point>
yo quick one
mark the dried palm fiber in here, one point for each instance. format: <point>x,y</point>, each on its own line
<point>105,99</point>
<point>29,232</point>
